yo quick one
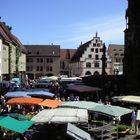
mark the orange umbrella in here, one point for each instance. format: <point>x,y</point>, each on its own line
<point>30,101</point>
<point>50,103</point>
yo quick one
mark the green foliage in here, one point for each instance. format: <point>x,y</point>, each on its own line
<point>121,127</point>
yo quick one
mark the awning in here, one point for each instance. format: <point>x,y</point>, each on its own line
<point>128,98</point>
<point>77,133</point>
<point>17,94</point>
<point>83,88</point>
<point>15,125</point>
<point>50,103</point>
<point>41,94</point>
<point>96,107</point>
<point>110,110</point>
<point>61,115</point>
<point>28,101</point>
<point>79,104</point>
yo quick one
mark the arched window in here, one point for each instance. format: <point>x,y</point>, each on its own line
<point>88,65</point>
<point>88,73</point>
<point>96,73</point>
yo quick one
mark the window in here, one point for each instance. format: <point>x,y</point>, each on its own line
<point>37,60</point>
<point>96,57</point>
<point>92,49</point>
<point>48,60</point>
<point>98,44</point>
<point>96,40</point>
<point>94,44</point>
<point>96,50</point>
<point>37,68</point>
<point>116,54</point>
<point>101,50</point>
<point>29,60</point>
<point>96,73</point>
<point>96,64</point>
<point>88,73</point>
<point>89,56</point>
<point>37,52</point>
<point>41,68</point>
<point>51,69</point>
<point>88,65</point>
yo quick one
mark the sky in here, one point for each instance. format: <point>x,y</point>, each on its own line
<point>65,22</point>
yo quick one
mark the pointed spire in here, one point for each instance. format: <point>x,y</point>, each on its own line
<point>96,34</point>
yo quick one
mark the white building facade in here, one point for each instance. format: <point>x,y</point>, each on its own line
<point>87,59</point>
<point>0,59</point>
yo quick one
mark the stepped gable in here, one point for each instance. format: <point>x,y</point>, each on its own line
<point>80,51</point>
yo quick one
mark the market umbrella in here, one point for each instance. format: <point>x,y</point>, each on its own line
<point>15,125</point>
<point>41,93</point>
<point>110,110</point>
<point>50,103</point>
<point>26,101</point>
<point>83,89</point>
<point>17,94</point>
<point>61,115</point>
<point>79,104</point>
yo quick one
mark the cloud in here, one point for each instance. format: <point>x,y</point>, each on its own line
<point>109,29</point>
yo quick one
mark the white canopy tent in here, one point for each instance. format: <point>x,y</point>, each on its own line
<point>61,115</point>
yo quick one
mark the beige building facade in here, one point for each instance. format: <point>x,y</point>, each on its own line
<point>42,60</point>
<point>10,48</point>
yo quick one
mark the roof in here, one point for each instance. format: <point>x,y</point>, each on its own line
<point>9,37</point>
<point>28,101</point>
<point>4,35</point>
<point>43,50</point>
<point>15,125</point>
<point>66,53</point>
<point>77,133</point>
<point>80,51</point>
<point>50,103</point>
<point>61,115</point>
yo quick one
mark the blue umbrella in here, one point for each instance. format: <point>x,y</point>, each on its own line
<point>16,94</point>
<point>41,94</point>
